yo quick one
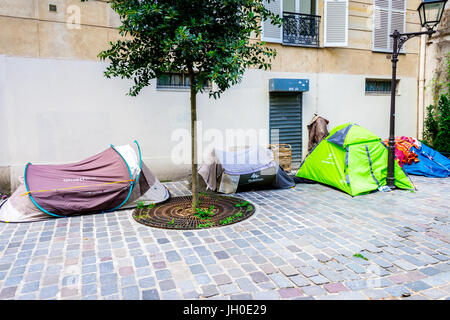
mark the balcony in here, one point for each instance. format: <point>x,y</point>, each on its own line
<point>300,29</point>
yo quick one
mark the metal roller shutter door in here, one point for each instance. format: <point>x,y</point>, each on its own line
<point>286,116</point>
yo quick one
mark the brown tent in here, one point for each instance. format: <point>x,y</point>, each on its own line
<point>113,179</point>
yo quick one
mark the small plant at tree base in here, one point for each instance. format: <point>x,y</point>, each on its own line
<point>140,205</point>
<point>204,213</point>
<point>243,204</point>
<point>150,206</point>
<point>206,225</point>
<point>231,218</point>
<point>171,222</point>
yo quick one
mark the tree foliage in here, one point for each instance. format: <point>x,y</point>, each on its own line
<point>210,37</point>
<point>437,122</point>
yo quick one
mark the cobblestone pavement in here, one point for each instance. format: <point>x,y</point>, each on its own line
<point>298,245</point>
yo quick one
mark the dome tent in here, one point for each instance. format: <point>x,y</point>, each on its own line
<point>352,159</point>
<point>113,179</point>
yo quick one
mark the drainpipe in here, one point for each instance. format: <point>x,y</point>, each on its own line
<point>421,87</point>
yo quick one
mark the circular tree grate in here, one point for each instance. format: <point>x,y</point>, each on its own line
<point>175,214</point>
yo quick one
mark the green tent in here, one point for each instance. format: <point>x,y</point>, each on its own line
<point>352,159</point>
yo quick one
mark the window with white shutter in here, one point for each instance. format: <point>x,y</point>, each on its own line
<point>388,16</point>
<point>335,23</point>
<point>270,32</point>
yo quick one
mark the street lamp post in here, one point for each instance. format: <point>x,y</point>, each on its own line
<point>430,13</point>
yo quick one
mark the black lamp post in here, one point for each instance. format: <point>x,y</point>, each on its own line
<point>430,13</point>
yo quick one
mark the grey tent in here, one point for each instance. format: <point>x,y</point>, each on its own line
<point>250,168</point>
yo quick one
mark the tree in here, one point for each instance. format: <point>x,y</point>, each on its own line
<point>209,40</point>
<point>437,122</point>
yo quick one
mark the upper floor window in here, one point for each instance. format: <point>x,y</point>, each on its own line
<point>301,23</point>
<point>388,16</point>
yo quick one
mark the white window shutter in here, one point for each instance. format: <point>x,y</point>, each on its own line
<point>388,16</point>
<point>398,17</point>
<point>336,23</point>
<point>270,32</point>
<point>380,29</point>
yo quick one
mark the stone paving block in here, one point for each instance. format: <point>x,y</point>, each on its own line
<point>378,271</point>
<point>322,258</point>
<point>335,287</point>
<point>10,292</point>
<point>405,265</point>
<point>222,279</point>
<point>197,269</point>
<point>89,289</point>
<point>236,273</point>
<point>441,257</point>
<point>331,275</point>
<point>151,294</point>
<point>398,291</point>
<point>170,295</point>
<point>289,293</point>
<point>300,281</point>
<point>357,285</point>
<point>307,271</point>
<point>382,263</point>
<point>319,280</point>
<point>429,271</point>
<point>191,295</point>
<point>221,255</point>
<point>268,285</point>
<point>314,290</point>
<point>209,291</point>
<point>246,285</point>
<point>47,292</point>
<point>228,289</point>
<point>335,265</point>
<point>435,281</point>
<point>414,275</point>
<point>280,280</point>
<point>258,277</point>
<point>203,279</point>
<point>417,286</point>
<point>147,282</point>
<point>444,267</point>
<point>356,268</point>
<point>413,260</point>
<point>242,296</point>
<point>434,293</point>
<point>376,293</point>
<point>163,274</point>
<point>288,271</point>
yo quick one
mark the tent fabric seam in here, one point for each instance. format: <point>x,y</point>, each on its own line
<point>131,176</point>
<point>370,165</point>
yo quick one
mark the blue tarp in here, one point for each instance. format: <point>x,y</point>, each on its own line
<point>431,163</point>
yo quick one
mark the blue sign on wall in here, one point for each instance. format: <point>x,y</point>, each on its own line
<point>288,85</point>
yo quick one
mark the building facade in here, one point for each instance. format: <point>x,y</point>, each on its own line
<point>57,107</point>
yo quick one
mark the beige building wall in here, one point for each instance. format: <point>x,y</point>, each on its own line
<point>29,29</point>
<point>56,106</point>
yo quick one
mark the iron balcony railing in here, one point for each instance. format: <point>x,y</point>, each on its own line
<point>300,29</point>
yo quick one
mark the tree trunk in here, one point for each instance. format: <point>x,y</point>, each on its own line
<point>194,188</point>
